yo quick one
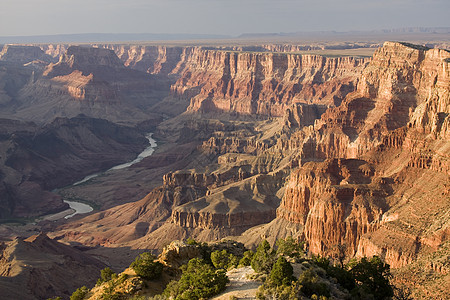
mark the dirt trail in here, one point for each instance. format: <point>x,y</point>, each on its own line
<point>240,286</point>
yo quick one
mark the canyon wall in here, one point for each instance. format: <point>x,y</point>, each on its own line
<point>396,125</point>
<point>265,83</point>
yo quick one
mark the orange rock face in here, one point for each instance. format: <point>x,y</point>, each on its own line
<point>264,83</point>
<point>396,125</point>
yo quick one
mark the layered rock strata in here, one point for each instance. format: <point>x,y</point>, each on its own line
<point>396,121</point>
<point>92,81</point>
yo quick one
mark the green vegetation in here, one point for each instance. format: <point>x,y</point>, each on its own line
<point>372,277</point>
<point>80,293</point>
<point>319,278</point>
<point>289,247</point>
<point>191,241</point>
<point>106,275</point>
<point>224,260</point>
<point>264,258</point>
<point>199,280</point>
<point>281,273</point>
<point>205,276</point>
<point>146,266</point>
<point>311,284</point>
<point>246,260</point>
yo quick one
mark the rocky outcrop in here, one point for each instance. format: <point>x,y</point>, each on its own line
<point>236,206</point>
<point>393,91</point>
<point>178,253</point>
<point>216,79</point>
<point>335,201</point>
<point>161,60</point>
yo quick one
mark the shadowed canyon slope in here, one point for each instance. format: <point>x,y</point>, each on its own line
<point>36,160</point>
<point>334,150</point>
<point>43,267</point>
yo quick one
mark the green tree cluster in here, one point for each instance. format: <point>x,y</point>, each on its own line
<point>289,247</point>
<point>365,279</point>
<point>146,266</point>
<point>199,280</point>
<point>106,275</point>
<point>264,258</point>
<point>246,260</point>
<point>224,260</point>
<point>281,273</point>
<point>80,293</point>
<point>372,277</point>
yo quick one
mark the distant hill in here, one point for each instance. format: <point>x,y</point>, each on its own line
<point>387,33</point>
<point>105,37</point>
<point>415,33</point>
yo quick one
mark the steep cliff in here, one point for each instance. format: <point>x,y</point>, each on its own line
<point>263,83</point>
<point>217,79</point>
<point>395,123</point>
<point>92,81</point>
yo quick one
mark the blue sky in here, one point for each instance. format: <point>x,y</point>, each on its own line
<point>231,17</point>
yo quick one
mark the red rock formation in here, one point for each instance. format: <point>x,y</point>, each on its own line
<point>397,120</point>
<point>335,201</point>
<point>263,83</point>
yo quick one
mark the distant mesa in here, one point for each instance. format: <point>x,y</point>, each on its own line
<point>24,54</point>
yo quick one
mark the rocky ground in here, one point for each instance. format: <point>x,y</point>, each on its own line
<point>240,285</point>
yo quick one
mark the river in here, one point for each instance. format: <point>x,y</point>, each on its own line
<point>82,208</point>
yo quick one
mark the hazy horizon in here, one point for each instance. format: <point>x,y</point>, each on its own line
<point>216,17</point>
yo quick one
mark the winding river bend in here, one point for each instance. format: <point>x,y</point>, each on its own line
<point>82,208</point>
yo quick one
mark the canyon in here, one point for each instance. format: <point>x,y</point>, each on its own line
<point>254,142</point>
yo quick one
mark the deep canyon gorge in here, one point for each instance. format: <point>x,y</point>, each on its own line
<point>254,143</point>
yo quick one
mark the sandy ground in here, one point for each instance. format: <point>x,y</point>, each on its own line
<point>240,286</point>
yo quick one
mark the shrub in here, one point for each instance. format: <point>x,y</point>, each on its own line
<point>146,266</point>
<point>224,260</point>
<point>106,275</point>
<point>264,258</point>
<point>311,285</point>
<point>220,259</point>
<point>322,261</point>
<point>281,273</point>
<point>246,260</point>
<point>191,241</point>
<point>343,277</point>
<point>80,293</point>
<point>282,292</point>
<point>198,280</point>
<point>289,247</point>
<point>372,276</point>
